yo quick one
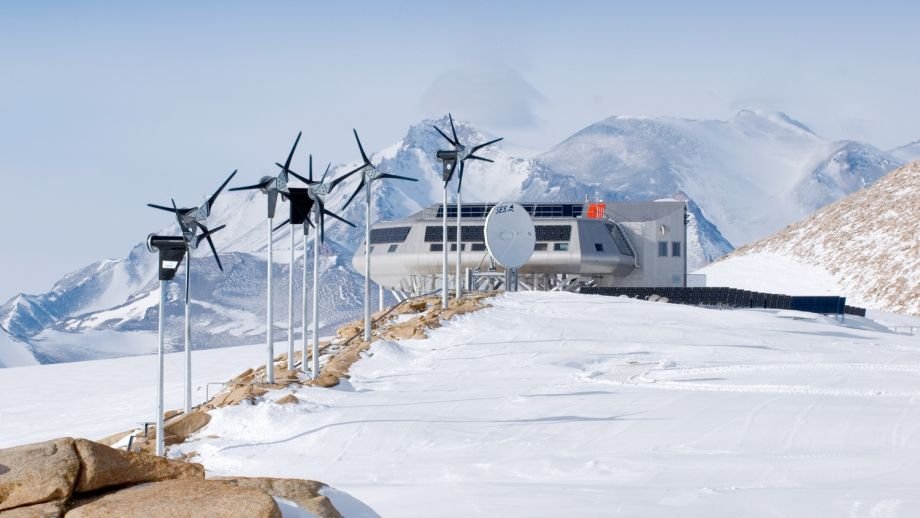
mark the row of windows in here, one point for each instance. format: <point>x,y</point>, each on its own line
<point>435,234</point>
<point>663,249</point>
<point>481,247</point>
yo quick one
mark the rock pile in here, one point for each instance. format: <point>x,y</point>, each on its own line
<point>83,479</point>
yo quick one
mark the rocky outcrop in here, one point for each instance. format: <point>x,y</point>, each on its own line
<point>305,493</point>
<point>186,498</point>
<point>82,479</point>
<point>104,467</point>
<point>38,473</point>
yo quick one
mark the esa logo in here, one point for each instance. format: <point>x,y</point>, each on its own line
<point>501,209</point>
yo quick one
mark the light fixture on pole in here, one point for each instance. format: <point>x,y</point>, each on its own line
<point>303,201</point>
<point>189,218</point>
<point>460,154</point>
<point>171,250</point>
<point>369,173</point>
<point>271,186</point>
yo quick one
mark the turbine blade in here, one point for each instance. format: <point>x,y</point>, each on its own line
<point>247,188</point>
<point>360,185</point>
<point>214,251</point>
<point>444,135</point>
<point>474,157</point>
<point>283,223</point>
<point>213,197</point>
<point>460,177</point>
<point>453,129</point>
<point>344,176</point>
<point>209,233</point>
<point>311,169</point>
<point>397,177</point>
<point>489,143</point>
<point>287,163</point>
<point>178,216</point>
<point>323,179</point>
<point>336,216</point>
<point>322,224</point>
<point>167,209</point>
<point>301,178</point>
<point>363,154</point>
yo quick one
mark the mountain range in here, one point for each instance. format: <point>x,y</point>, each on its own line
<point>743,178</point>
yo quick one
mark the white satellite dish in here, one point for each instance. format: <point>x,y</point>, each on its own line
<point>510,235</point>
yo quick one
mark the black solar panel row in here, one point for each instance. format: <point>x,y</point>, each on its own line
<point>389,235</point>
<point>543,210</point>
<point>735,298</point>
<point>433,234</point>
<point>554,232</point>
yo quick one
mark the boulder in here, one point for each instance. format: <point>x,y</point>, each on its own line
<point>304,493</point>
<point>185,498</point>
<point>52,509</point>
<point>289,399</point>
<point>187,424</point>
<point>36,473</point>
<point>107,467</point>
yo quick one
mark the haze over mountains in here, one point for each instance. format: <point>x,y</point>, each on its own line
<point>744,178</point>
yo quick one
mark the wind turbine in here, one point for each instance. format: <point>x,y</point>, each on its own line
<point>271,186</point>
<point>301,206</point>
<point>460,154</point>
<point>190,220</point>
<point>369,173</point>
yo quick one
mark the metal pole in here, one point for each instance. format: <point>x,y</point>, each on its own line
<point>380,297</point>
<point>290,362</point>
<point>444,244</point>
<point>367,262</point>
<point>269,344</point>
<point>303,352</point>
<point>188,332</point>
<point>160,445</point>
<point>459,248</point>
<point>317,237</point>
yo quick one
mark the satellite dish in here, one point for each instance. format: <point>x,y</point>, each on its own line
<point>510,235</point>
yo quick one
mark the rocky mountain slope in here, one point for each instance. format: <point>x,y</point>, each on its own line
<point>864,246</point>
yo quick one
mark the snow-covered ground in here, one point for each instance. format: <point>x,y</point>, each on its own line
<point>554,404</point>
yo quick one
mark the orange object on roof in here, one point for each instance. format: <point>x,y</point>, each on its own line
<point>597,210</point>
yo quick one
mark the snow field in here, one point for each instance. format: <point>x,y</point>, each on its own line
<point>552,404</point>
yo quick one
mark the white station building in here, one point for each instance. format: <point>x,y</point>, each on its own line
<point>630,244</point>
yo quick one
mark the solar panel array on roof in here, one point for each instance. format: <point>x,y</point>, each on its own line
<point>542,210</point>
<point>389,235</point>
<point>434,234</point>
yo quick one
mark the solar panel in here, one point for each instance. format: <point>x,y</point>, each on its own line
<point>389,235</point>
<point>553,232</point>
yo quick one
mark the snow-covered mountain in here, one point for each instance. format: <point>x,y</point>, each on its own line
<point>864,246</point>
<point>109,308</point>
<point>754,173</point>
<point>907,153</point>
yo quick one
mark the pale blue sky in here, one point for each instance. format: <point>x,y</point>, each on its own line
<point>105,106</point>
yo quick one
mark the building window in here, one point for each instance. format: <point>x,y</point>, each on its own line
<point>675,248</point>
<point>478,247</point>
<point>662,249</point>
<point>453,247</point>
<point>560,247</point>
<point>598,247</point>
<point>539,247</point>
<point>436,247</point>
<point>392,249</point>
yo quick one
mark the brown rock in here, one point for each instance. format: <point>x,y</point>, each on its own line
<point>53,509</point>
<point>304,493</point>
<point>187,424</point>
<point>181,498</point>
<point>418,305</point>
<point>36,473</point>
<point>289,399</point>
<point>107,467</point>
